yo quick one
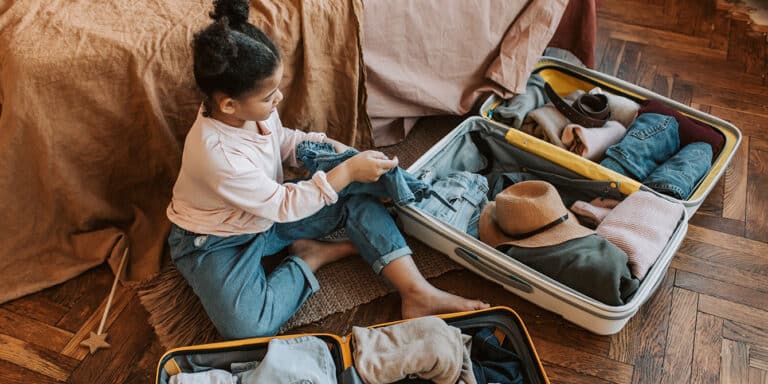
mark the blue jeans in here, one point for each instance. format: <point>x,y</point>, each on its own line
<point>678,175</point>
<point>241,299</point>
<point>397,184</point>
<point>650,140</point>
<point>467,194</point>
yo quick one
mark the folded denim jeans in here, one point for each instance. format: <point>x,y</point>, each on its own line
<point>467,194</point>
<point>650,141</point>
<point>690,130</point>
<point>397,184</point>
<point>678,175</point>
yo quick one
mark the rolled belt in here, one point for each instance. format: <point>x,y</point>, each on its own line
<point>589,111</point>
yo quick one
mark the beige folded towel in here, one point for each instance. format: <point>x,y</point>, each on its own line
<point>592,142</point>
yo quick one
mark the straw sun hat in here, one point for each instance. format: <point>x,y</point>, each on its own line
<point>529,214</point>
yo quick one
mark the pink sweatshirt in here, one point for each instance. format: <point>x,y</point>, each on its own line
<point>231,179</point>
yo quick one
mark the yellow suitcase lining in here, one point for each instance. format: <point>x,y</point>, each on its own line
<point>565,84</point>
<point>172,368</point>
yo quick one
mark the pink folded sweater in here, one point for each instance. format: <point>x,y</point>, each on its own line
<point>641,226</point>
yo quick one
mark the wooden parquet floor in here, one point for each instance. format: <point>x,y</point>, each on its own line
<point>707,323</point>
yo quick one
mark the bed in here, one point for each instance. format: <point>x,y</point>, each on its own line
<point>96,99</point>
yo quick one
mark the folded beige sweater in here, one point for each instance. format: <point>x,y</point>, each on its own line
<point>426,348</point>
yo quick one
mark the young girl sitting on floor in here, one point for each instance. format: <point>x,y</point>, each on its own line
<point>230,206</point>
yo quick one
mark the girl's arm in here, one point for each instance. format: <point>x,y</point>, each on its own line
<point>253,191</point>
<point>257,193</point>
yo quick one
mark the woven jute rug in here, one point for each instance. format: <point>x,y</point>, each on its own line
<point>178,317</point>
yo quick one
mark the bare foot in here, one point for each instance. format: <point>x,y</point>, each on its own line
<point>432,301</point>
<point>317,253</point>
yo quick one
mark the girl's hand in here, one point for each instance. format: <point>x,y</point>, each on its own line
<point>368,166</point>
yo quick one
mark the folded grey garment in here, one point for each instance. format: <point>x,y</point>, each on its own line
<point>425,347</point>
<point>547,122</point>
<point>622,109</point>
<point>591,143</point>
<point>513,111</point>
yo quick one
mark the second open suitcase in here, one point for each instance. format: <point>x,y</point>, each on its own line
<point>504,323</point>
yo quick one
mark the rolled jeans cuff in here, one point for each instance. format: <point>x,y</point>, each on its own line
<point>307,272</point>
<point>383,261</point>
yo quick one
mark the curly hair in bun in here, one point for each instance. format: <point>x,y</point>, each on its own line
<point>231,55</point>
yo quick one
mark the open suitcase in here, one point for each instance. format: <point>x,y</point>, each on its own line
<point>508,326</point>
<point>458,151</point>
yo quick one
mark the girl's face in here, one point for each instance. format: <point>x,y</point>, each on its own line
<point>259,104</point>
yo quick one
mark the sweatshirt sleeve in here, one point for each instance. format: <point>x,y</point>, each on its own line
<point>256,193</point>
<point>289,138</point>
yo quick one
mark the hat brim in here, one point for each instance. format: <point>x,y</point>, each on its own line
<point>491,233</point>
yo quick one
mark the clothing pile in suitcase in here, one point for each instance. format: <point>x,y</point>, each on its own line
<point>649,142</point>
<point>525,217</point>
<point>425,348</point>
<point>487,346</point>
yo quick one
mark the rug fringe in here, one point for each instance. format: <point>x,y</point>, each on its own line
<point>175,311</point>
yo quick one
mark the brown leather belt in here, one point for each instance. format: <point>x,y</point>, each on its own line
<point>589,111</point>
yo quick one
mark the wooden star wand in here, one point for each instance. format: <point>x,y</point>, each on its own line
<point>99,340</point>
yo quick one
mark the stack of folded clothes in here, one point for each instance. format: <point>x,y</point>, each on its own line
<point>650,142</point>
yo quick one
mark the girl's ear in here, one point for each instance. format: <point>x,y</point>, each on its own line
<point>225,103</point>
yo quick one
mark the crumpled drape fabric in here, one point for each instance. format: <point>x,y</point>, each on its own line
<point>96,100</point>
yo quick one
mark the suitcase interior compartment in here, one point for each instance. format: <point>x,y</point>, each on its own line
<point>221,355</point>
<point>480,146</point>
<point>506,324</point>
<point>458,151</point>
<point>566,78</point>
<point>515,336</point>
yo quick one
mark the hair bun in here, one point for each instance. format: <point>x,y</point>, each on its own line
<point>214,47</point>
<point>235,10</point>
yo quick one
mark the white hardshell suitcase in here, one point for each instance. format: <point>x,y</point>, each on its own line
<point>515,276</point>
